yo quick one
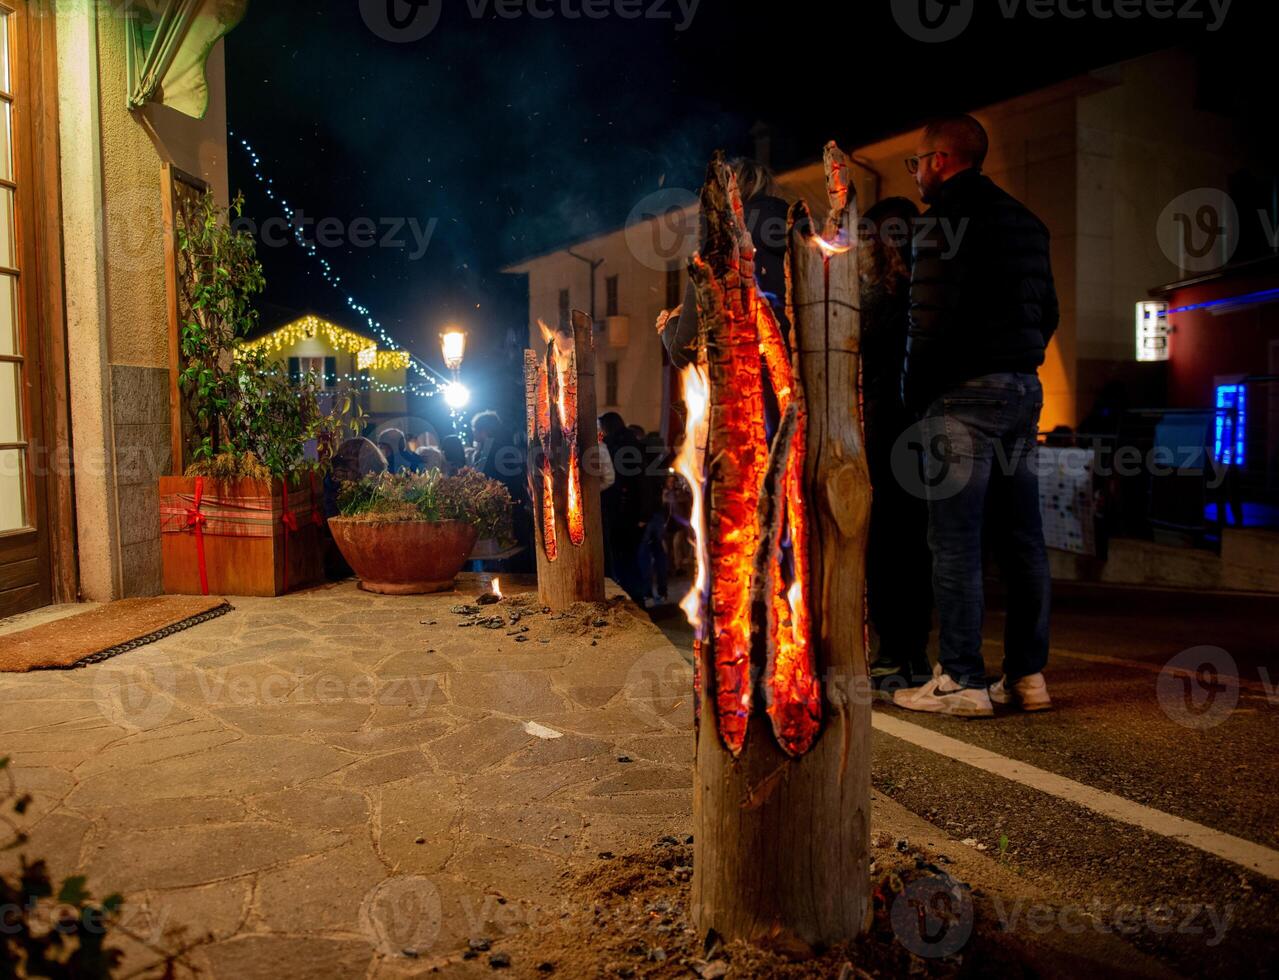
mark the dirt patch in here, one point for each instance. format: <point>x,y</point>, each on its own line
<point>628,916</point>
<point>579,619</point>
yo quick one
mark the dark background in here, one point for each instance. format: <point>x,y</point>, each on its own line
<point>519,136</point>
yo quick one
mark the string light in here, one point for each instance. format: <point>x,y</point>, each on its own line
<point>339,338</point>
<point>423,369</point>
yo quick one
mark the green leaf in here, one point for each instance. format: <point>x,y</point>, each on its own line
<point>73,891</point>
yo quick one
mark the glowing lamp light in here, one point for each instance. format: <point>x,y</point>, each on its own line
<point>456,395</point>
<point>453,345</point>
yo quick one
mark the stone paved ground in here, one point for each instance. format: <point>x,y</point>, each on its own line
<point>316,785</point>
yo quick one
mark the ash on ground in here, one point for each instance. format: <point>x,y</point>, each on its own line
<point>628,916</point>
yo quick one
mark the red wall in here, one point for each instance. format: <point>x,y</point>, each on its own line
<point>1203,345</point>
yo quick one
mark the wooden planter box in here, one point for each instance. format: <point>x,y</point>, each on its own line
<point>240,526</point>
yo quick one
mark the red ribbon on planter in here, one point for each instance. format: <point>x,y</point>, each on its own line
<point>290,522</point>
<point>196,522</point>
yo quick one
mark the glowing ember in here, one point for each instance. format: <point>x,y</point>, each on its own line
<point>549,541</point>
<point>562,360</point>
<point>750,513</point>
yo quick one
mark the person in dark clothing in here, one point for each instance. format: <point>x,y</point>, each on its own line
<point>454,454</point>
<point>983,309</point>
<point>498,458</point>
<point>396,450</point>
<point>898,562</point>
<point>653,566</point>
<point>622,506</point>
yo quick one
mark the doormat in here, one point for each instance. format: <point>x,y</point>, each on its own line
<point>100,634</point>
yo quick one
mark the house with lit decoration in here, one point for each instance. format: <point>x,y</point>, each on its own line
<point>344,361</point>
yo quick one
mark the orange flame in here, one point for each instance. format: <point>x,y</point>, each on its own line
<point>691,465</point>
<point>550,542</point>
<point>563,357</point>
<point>496,588</point>
<point>832,248</point>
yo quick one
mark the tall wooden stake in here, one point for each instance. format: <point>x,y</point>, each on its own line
<point>782,836</point>
<point>563,466</point>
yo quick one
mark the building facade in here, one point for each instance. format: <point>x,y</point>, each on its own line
<point>99,125</point>
<point>1099,158</point>
<point>345,362</point>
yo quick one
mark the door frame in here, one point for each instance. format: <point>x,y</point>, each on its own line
<point>38,222</point>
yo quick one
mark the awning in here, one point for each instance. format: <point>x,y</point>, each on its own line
<point>169,44</point>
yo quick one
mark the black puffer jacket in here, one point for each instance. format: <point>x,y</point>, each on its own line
<point>982,293</point>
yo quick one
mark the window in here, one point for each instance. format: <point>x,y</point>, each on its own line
<point>564,309</point>
<point>15,511</point>
<point>610,384</point>
<point>610,296</point>
<point>674,287</point>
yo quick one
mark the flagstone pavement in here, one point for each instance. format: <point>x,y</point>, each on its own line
<point>334,783</point>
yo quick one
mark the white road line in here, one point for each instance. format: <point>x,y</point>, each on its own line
<point>1255,857</point>
<point>1257,687</point>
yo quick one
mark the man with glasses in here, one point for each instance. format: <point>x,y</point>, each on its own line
<point>983,308</point>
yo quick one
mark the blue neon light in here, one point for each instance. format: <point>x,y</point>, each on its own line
<point>1232,422</point>
<point>1247,299</point>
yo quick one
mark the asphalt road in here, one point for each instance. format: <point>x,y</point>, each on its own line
<point>1165,700</point>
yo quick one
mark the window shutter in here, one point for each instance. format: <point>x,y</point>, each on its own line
<point>295,370</point>
<point>330,372</point>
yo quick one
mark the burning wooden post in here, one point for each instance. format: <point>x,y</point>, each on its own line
<point>782,795</point>
<point>563,470</point>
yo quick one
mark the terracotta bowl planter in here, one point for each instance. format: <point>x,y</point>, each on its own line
<point>404,557</point>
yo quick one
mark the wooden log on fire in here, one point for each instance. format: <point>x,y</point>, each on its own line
<point>781,810</point>
<point>563,465</point>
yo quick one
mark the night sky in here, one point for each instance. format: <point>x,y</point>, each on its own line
<point>510,137</point>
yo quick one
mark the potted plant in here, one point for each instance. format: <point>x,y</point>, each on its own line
<point>411,533</point>
<point>245,517</point>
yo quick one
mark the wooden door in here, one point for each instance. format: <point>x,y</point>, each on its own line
<point>25,567</point>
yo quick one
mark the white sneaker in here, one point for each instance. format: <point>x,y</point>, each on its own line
<point>1028,694</point>
<point>943,696</point>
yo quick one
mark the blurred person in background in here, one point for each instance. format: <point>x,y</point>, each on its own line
<point>454,454</point>
<point>395,448</point>
<point>654,565</point>
<point>899,566</point>
<point>622,506</point>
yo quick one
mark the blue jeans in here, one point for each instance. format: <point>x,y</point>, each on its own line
<point>981,439</point>
<point>652,557</point>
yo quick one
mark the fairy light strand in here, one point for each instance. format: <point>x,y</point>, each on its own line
<point>421,367</point>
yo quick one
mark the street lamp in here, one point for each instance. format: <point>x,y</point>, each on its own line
<point>453,346</point>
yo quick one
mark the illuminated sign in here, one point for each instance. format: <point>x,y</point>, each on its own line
<point>1152,331</point>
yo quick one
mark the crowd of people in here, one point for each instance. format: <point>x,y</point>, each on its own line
<point>957,310</point>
